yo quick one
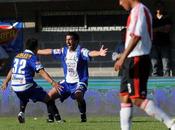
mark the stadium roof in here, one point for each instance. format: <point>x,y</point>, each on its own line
<point>5,1</point>
<point>29,8</point>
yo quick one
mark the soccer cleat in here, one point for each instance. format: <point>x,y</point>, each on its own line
<point>83,118</point>
<point>50,119</point>
<point>21,117</point>
<point>58,119</point>
<point>61,121</point>
<point>173,125</point>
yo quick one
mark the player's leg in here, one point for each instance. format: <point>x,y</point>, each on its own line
<point>53,111</point>
<point>81,105</point>
<point>165,55</point>
<point>23,97</point>
<point>139,91</point>
<point>53,95</point>
<point>79,96</point>
<point>38,94</point>
<point>125,112</point>
<point>153,110</point>
<point>126,105</point>
<point>155,61</point>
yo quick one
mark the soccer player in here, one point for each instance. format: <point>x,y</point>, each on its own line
<point>24,66</point>
<point>74,60</point>
<point>135,64</point>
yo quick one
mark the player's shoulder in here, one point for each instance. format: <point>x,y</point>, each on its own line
<point>139,8</point>
<point>24,55</point>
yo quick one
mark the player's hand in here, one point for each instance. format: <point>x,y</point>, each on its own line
<point>4,86</point>
<point>103,51</point>
<point>118,64</point>
<point>56,86</point>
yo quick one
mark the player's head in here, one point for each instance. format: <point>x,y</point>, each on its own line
<point>72,40</point>
<point>125,4</point>
<point>128,4</point>
<point>32,44</point>
<point>160,7</point>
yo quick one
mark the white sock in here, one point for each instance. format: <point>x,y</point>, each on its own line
<point>153,110</point>
<point>126,116</point>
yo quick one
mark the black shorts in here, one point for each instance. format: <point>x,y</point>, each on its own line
<point>135,73</point>
<point>34,93</point>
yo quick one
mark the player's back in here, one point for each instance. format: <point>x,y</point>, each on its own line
<point>23,71</point>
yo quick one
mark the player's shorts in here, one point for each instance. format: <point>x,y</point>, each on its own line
<point>135,73</point>
<point>70,89</point>
<point>34,93</point>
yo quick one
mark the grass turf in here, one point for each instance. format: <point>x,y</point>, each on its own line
<point>73,123</point>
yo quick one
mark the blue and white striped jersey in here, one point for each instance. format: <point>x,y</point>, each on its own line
<point>23,70</point>
<point>75,63</point>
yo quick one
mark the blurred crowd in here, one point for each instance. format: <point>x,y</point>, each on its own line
<point>161,44</point>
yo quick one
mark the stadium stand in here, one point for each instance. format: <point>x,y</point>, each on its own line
<point>98,23</point>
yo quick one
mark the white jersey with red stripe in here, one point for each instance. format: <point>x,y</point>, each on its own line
<point>139,24</point>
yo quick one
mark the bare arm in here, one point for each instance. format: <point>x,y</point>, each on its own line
<point>101,52</point>
<point>47,77</point>
<point>133,42</point>
<point>44,51</point>
<point>8,78</point>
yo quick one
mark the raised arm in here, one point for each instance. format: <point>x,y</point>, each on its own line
<point>44,52</point>
<point>8,78</point>
<point>101,52</point>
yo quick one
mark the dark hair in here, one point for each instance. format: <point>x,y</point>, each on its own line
<point>74,35</point>
<point>159,4</point>
<point>32,44</point>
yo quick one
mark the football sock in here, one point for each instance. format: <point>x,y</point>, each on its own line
<point>56,112</point>
<point>82,106</point>
<point>52,110</point>
<point>22,106</point>
<point>126,116</point>
<point>153,110</point>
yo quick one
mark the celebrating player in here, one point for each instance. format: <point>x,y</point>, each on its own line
<point>21,75</point>
<point>135,64</point>
<point>74,60</point>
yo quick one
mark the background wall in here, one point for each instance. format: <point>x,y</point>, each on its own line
<point>101,97</point>
<point>29,11</point>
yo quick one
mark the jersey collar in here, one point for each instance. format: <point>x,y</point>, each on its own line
<point>28,51</point>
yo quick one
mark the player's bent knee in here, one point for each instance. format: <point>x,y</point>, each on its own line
<point>125,98</point>
<point>79,95</point>
<point>53,93</point>
<point>138,101</point>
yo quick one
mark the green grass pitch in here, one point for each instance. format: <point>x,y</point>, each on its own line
<point>73,123</point>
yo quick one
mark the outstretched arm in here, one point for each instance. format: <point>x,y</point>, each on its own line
<point>101,52</point>
<point>5,82</point>
<point>47,77</point>
<point>44,52</point>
